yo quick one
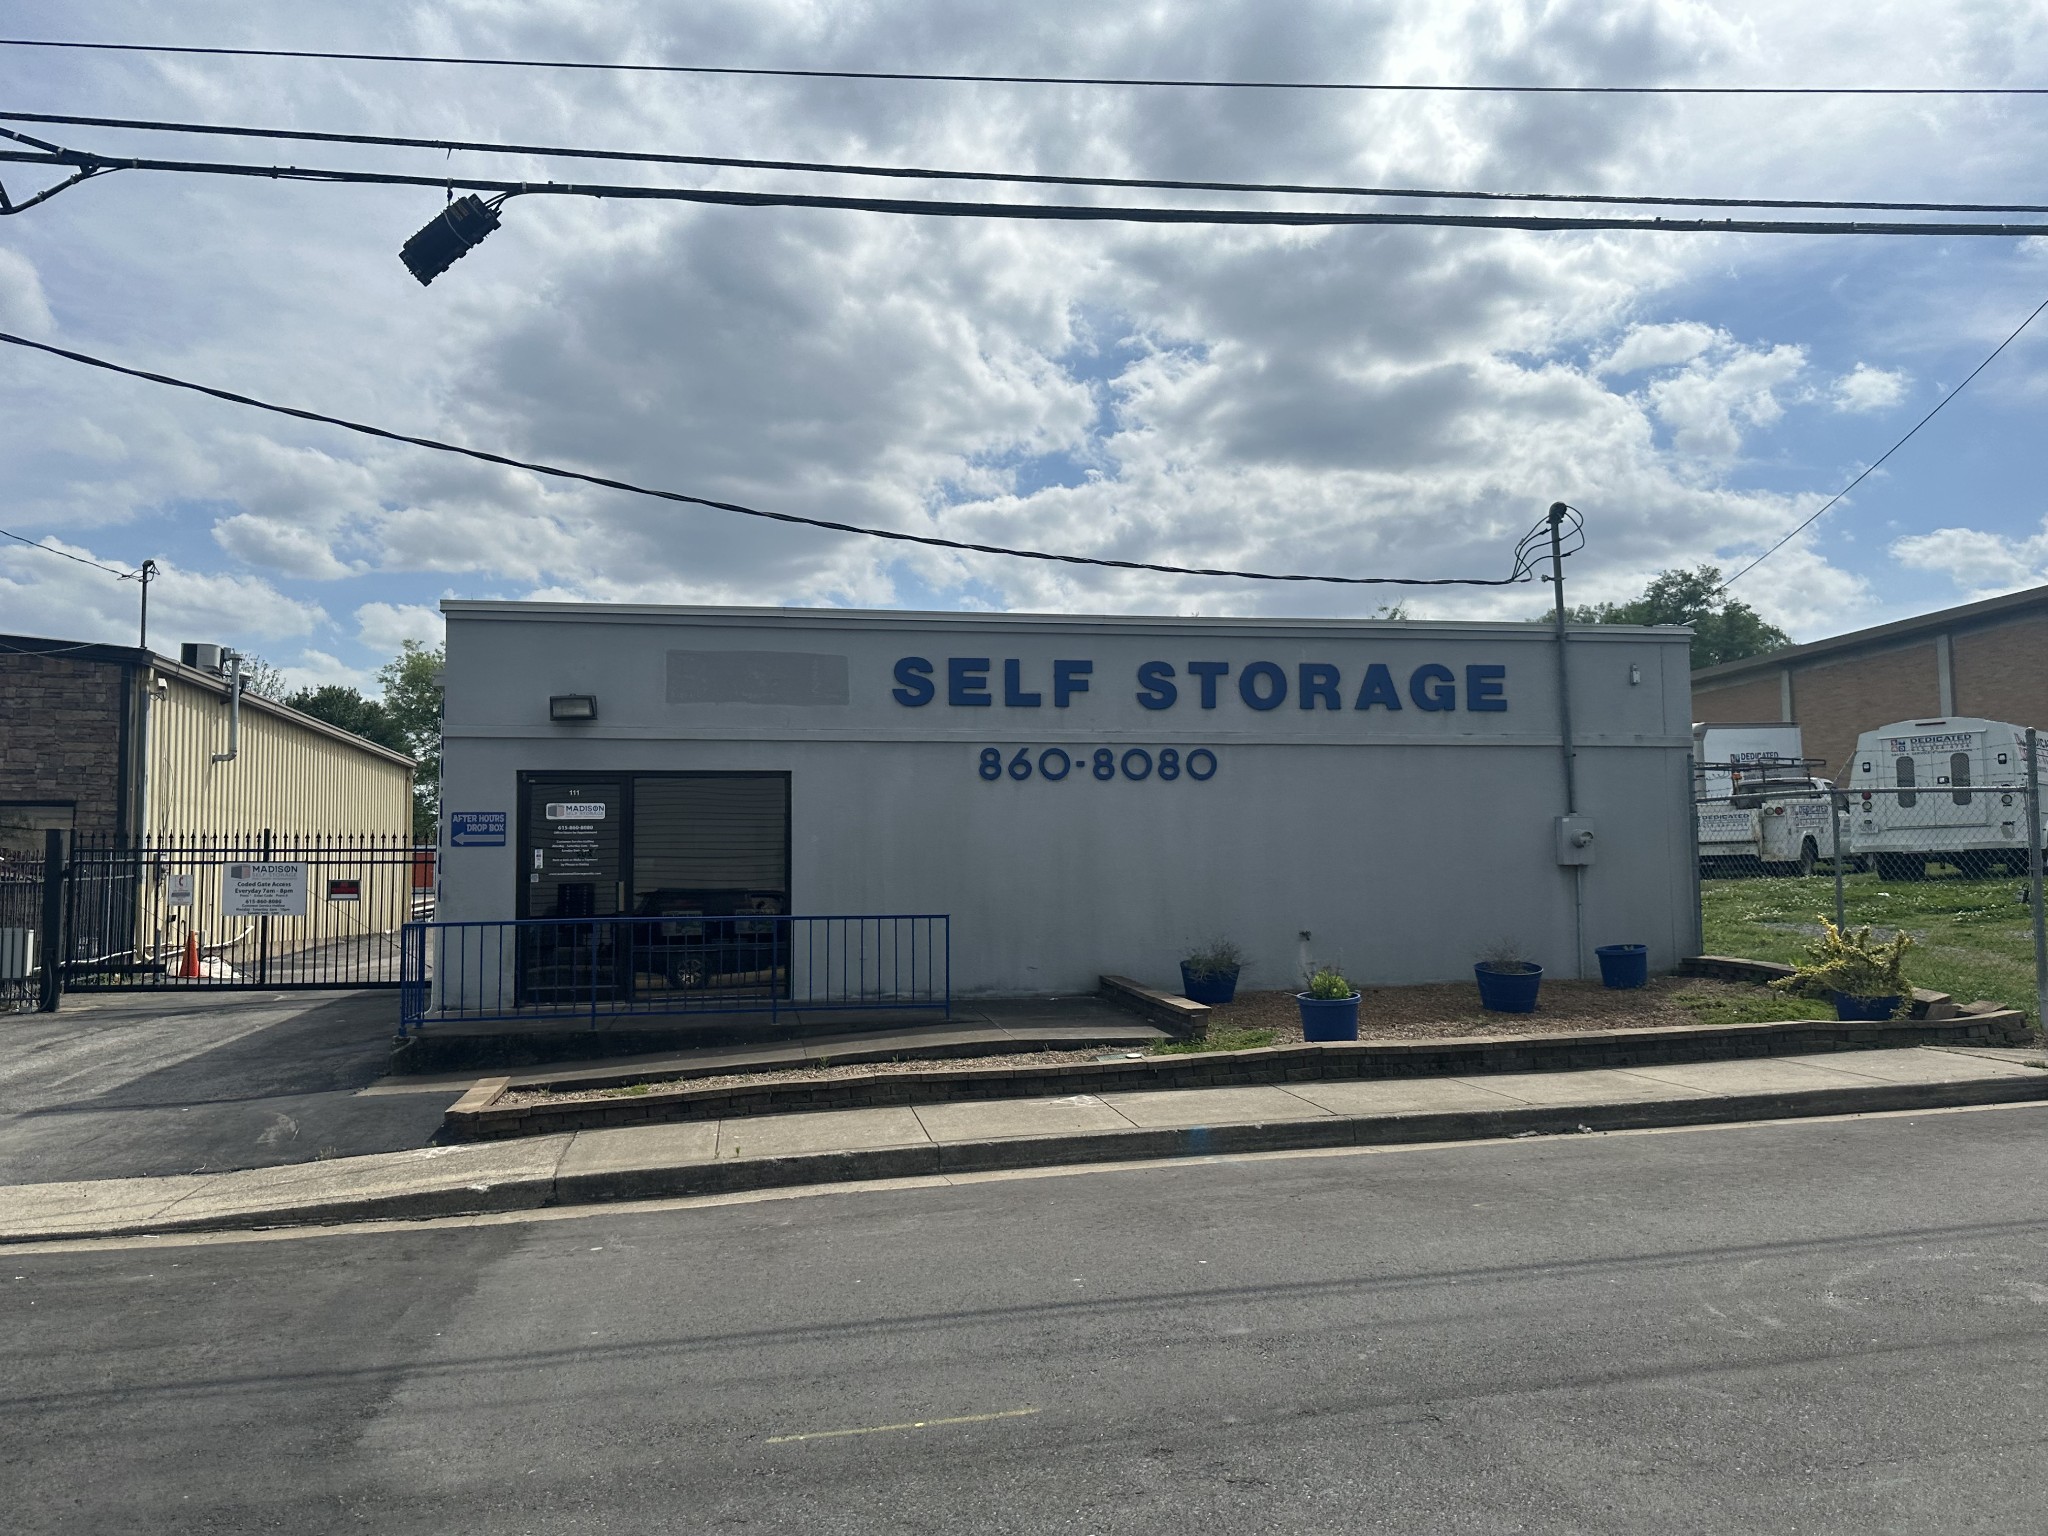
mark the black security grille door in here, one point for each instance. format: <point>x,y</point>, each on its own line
<point>710,857</point>
<point>572,866</point>
<point>715,844</point>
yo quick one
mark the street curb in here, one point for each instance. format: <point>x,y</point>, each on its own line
<point>1137,1146</point>
<point>478,1116</point>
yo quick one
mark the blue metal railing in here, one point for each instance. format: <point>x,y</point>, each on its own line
<point>599,968</point>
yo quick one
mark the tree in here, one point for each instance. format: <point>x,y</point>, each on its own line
<point>340,705</point>
<point>260,677</point>
<point>412,703</point>
<point>1722,629</point>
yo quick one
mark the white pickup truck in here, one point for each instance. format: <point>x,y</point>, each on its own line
<point>1757,804</point>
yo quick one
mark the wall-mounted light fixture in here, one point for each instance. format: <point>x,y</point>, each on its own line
<point>572,706</point>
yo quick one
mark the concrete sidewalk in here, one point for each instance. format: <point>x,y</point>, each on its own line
<point>768,1151</point>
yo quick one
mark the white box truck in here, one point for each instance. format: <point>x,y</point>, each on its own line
<point>1949,791</point>
<point>1756,801</point>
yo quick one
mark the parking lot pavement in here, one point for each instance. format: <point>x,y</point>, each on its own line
<point>189,1082</point>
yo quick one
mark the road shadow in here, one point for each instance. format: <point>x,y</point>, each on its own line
<point>288,1091</point>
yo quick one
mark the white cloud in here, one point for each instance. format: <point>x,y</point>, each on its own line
<point>1356,400</point>
<point>1864,388</point>
<point>1708,403</point>
<point>42,594</point>
<point>1982,562</point>
<point>23,308</point>
<point>1660,346</point>
<point>317,669</point>
<point>385,627</point>
<point>277,546</point>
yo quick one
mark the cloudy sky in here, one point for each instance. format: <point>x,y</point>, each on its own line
<point>1355,401</point>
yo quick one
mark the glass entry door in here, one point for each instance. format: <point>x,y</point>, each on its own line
<point>572,865</point>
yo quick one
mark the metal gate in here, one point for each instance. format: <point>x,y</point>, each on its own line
<point>252,911</point>
<point>21,923</point>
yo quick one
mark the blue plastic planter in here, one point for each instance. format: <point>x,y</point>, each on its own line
<point>1624,965</point>
<point>1864,1010</point>
<point>1328,1018</point>
<point>1508,991</point>
<point>1215,989</point>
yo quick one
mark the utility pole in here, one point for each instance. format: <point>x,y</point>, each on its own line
<point>1564,692</point>
<point>148,574</point>
<point>2033,802</point>
<point>1558,512</point>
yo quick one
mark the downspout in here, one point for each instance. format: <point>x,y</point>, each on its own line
<point>234,710</point>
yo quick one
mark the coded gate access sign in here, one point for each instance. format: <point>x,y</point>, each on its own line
<point>476,829</point>
<point>264,890</point>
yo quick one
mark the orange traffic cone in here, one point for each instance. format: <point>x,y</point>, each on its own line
<point>190,969</point>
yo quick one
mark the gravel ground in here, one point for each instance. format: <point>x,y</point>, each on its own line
<point>1384,1013</point>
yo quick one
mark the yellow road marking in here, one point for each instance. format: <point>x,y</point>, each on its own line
<point>883,1429</point>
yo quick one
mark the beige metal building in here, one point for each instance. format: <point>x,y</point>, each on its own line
<point>1987,660</point>
<point>114,742</point>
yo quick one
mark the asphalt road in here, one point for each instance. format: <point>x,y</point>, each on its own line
<point>174,1081</point>
<point>1821,1327</point>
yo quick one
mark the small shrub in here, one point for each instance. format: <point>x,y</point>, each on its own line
<point>1507,956</point>
<point>1218,957</point>
<point>1845,960</point>
<point>1329,986</point>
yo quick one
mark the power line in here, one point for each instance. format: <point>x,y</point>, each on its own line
<point>96,164</point>
<point>1521,572</point>
<point>936,77</point>
<point>1872,467</point>
<point>48,549</point>
<point>1013,178</point>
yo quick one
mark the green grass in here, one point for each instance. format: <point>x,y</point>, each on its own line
<point>1216,1040</point>
<point>1744,1008</point>
<point>1971,938</point>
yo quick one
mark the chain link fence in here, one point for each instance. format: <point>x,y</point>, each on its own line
<point>1942,842</point>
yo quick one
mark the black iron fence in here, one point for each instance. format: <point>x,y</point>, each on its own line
<point>611,967</point>
<point>253,911</point>
<point>21,922</point>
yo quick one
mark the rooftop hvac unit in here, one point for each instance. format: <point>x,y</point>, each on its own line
<point>206,658</point>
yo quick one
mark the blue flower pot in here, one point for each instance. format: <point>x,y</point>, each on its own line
<point>1864,1010</point>
<point>1214,989</point>
<point>1328,1018</point>
<point>1624,965</point>
<point>1508,991</point>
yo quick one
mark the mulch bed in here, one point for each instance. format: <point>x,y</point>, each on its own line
<point>1384,1013</point>
<point>1452,1008</point>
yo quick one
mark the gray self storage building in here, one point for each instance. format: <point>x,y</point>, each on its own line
<point>1079,795</point>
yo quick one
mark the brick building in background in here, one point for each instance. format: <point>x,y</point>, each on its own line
<point>1988,660</point>
<point>112,742</point>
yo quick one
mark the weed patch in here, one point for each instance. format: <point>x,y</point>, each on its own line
<point>1216,1040</point>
